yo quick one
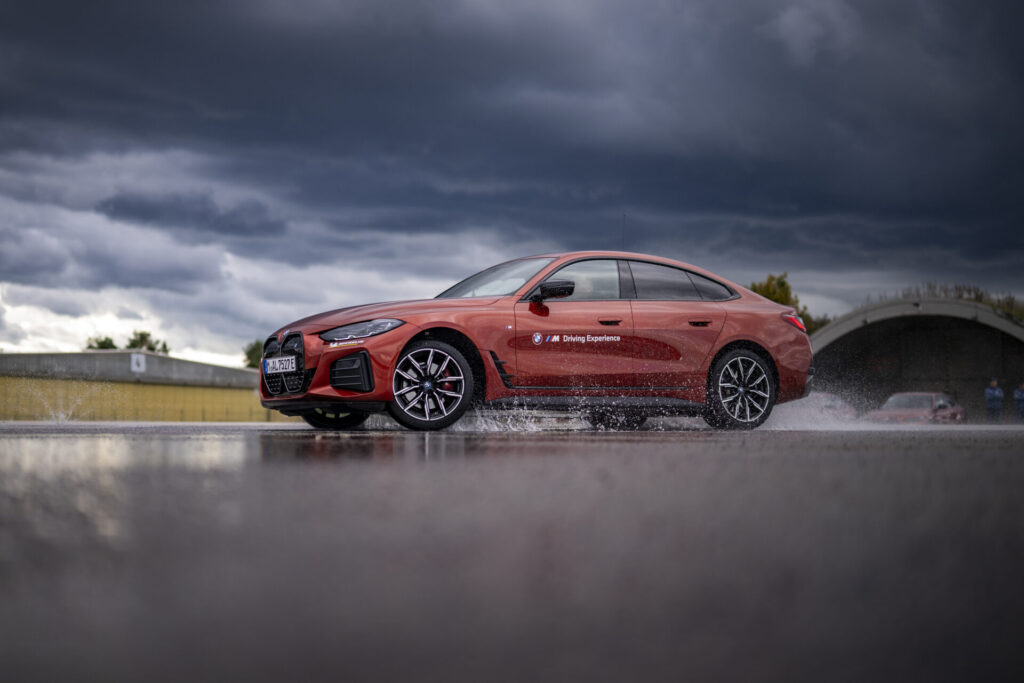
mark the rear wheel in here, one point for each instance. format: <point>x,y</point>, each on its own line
<point>615,421</point>
<point>328,418</point>
<point>433,385</point>
<point>741,393</point>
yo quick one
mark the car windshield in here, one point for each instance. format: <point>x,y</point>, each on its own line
<point>499,280</point>
<point>909,402</point>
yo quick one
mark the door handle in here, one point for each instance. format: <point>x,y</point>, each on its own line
<point>700,323</point>
<point>609,322</point>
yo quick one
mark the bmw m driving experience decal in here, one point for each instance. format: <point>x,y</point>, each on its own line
<point>538,338</point>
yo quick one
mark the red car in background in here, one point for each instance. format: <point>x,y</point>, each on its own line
<point>918,407</point>
<point>616,336</point>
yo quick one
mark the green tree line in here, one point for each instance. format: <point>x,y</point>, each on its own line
<point>140,339</point>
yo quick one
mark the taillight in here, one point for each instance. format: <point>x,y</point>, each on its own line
<point>796,321</point>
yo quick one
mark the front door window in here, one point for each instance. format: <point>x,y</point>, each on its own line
<point>579,342</point>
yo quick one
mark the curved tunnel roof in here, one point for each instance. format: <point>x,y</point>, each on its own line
<point>885,310</point>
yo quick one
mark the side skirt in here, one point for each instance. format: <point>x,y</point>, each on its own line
<point>643,405</point>
<point>507,380</point>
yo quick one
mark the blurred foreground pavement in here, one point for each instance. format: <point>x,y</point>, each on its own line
<point>194,552</point>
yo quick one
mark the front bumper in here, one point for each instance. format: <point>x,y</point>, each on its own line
<point>298,406</point>
<point>353,374</point>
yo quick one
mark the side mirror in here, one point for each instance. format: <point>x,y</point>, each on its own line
<point>554,289</point>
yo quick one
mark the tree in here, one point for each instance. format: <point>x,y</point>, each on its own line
<point>141,339</point>
<point>253,353</point>
<point>100,343</point>
<point>776,288</point>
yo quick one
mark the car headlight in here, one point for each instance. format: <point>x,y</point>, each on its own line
<point>368,328</point>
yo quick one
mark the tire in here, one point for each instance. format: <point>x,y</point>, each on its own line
<point>741,392</point>
<point>615,421</point>
<point>326,418</point>
<point>433,386</point>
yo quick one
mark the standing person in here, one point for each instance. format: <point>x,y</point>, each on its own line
<point>1018,398</point>
<point>993,400</point>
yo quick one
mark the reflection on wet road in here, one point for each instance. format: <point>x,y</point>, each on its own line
<point>175,552</point>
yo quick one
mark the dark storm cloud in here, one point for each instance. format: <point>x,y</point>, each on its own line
<point>246,228</point>
<point>24,259</point>
<point>93,257</point>
<point>198,213</point>
<point>154,270</point>
<point>846,134</point>
<point>56,301</point>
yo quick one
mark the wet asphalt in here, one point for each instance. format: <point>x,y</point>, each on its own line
<point>263,552</point>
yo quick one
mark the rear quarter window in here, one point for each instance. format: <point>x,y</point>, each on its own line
<point>709,289</point>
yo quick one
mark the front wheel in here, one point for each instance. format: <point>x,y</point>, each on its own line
<point>740,392</point>
<point>327,418</point>
<point>433,386</point>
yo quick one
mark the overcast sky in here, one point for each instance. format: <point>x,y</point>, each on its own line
<point>212,170</point>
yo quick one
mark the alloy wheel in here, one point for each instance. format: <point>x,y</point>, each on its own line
<point>429,384</point>
<point>744,389</point>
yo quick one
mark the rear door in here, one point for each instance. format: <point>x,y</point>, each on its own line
<point>675,328</point>
<point>580,341</point>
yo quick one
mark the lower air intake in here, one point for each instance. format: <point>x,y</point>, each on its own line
<point>352,373</point>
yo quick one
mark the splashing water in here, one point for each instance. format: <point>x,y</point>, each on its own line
<point>518,420</point>
<point>806,414</point>
<point>495,421</point>
<point>64,403</point>
<point>818,412</point>
<point>822,411</point>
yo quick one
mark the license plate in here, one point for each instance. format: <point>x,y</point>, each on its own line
<point>282,364</point>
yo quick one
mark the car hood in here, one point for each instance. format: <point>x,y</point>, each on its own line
<point>387,309</point>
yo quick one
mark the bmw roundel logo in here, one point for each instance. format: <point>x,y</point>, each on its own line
<point>537,337</point>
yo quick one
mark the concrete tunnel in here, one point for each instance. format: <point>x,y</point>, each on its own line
<point>946,345</point>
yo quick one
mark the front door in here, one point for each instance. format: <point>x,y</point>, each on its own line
<point>577,342</point>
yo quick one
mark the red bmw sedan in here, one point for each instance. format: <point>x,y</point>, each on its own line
<point>615,336</point>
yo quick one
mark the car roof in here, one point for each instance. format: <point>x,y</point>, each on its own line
<point>605,254</point>
<point>636,256</point>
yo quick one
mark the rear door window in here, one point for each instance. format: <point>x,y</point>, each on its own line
<point>654,282</point>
